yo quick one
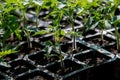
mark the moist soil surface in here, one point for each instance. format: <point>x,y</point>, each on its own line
<point>36,78</point>
<point>68,67</point>
<point>92,58</point>
<point>67,48</point>
<point>112,48</point>
<point>98,41</point>
<point>40,58</point>
<point>24,49</point>
<point>18,67</point>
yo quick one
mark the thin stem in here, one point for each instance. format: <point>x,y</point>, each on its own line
<point>28,39</point>
<point>73,36</point>
<point>3,40</point>
<point>3,44</point>
<point>74,43</point>
<point>102,37</point>
<point>60,52</point>
<point>61,57</point>
<point>24,20</point>
<point>117,38</point>
<point>37,14</point>
<point>29,43</point>
<point>36,22</point>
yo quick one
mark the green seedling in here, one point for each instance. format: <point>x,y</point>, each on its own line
<point>9,23</point>
<point>23,5</point>
<point>58,14</point>
<point>38,5</point>
<point>48,49</point>
<point>71,8</point>
<point>99,17</point>
<point>116,22</point>
<point>27,32</point>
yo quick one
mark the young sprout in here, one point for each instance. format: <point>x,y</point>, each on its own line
<point>59,33</point>
<point>9,23</point>
<point>70,13</point>
<point>23,5</point>
<point>58,14</point>
<point>27,32</point>
<point>116,22</point>
<point>71,8</point>
<point>38,5</point>
<point>5,53</point>
<point>48,49</point>
<point>99,17</point>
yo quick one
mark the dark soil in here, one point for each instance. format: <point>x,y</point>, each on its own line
<point>65,71</point>
<point>69,66</point>
<point>40,58</point>
<point>2,77</point>
<point>35,75</point>
<point>86,33</point>
<point>24,49</point>
<point>94,61</point>
<point>10,57</point>
<point>37,78</point>
<point>112,49</point>
<point>118,32</point>
<point>90,32</point>
<point>98,41</point>
<point>67,48</point>
<point>92,58</point>
<point>18,67</point>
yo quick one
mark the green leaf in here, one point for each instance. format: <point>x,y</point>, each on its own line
<point>18,34</point>
<point>49,47</point>
<point>101,24</point>
<point>6,34</point>
<point>116,20</point>
<point>94,25</point>
<point>62,33</point>
<point>73,33</point>
<point>48,43</point>
<point>61,5</point>
<point>6,52</point>
<point>41,32</point>
<point>38,2</point>
<point>48,56</point>
<point>107,24</point>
